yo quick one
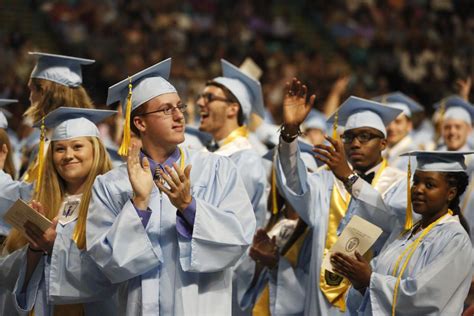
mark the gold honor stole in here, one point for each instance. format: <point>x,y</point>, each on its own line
<point>242,131</point>
<point>262,306</point>
<point>334,286</point>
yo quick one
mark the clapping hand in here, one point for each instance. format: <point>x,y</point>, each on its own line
<point>179,185</point>
<point>264,250</point>
<point>140,177</point>
<point>357,269</point>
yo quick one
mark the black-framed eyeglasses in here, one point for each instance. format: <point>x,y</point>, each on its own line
<point>362,137</point>
<point>209,97</point>
<point>169,110</point>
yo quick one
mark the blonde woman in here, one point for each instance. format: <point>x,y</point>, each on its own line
<point>52,267</point>
<point>55,81</point>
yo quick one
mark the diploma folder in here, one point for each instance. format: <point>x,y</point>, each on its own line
<point>359,235</point>
<point>20,212</point>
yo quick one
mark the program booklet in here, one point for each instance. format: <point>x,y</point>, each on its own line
<point>20,212</point>
<point>359,235</point>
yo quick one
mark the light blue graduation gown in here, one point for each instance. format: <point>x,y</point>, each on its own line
<point>69,276</point>
<point>251,169</point>
<point>310,195</point>
<point>10,266</point>
<point>10,191</point>
<point>167,273</point>
<point>287,284</point>
<point>435,282</point>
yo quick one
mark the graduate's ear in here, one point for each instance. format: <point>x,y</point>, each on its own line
<point>383,144</point>
<point>233,110</point>
<point>452,192</point>
<point>139,123</point>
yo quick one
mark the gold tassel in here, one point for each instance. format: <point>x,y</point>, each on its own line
<point>40,157</point>
<point>274,192</point>
<point>334,125</point>
<point>123,150</point>
<point>408,215</point>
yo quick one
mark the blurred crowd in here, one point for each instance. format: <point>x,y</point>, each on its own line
<point>420,47</point>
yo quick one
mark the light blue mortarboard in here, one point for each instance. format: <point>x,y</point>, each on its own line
<point>316,120</point>
<point>456,108</point>
<point>65,70</point>
<point>358,112</point>
<point>146,85</point>
<point>245,88</point>
<point>74,122</point>
<point>400,101</point>
<point>4,113</point>
<point>440,161</point>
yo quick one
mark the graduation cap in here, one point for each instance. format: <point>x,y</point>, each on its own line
<point>455,107</point>
<point>144,86</point>
<point>245,88</point>
<point>441,161</point>
<point>400,101</point>
<point>316,120</point>
<point>65,70</point>
<point>358,112</point>
<point>74,122</point>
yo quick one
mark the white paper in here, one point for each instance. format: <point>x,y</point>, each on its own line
<point>359,235</point>
<point>20,212</point>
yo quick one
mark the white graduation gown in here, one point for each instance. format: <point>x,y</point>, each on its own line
<point>167,273</point>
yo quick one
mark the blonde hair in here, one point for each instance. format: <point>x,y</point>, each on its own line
<point>9,167</point>
<point>52,192</point>
<point>55,95</point>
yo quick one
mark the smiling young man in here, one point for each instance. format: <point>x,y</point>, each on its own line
<point>456,125</point>
<point>399,140</point>
<point>322,198</point>
<point>225,106</point>
<point>169,233</point>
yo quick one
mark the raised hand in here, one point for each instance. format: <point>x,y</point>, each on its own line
<point>335,157</point>
<point>38,239</point>
<point>179,186</point>
<point>264,250</point>
<point>357,269</point>
<point>140,177</point>
<point>3,155</point>
<point>464,87</point>
<point>295,105</point>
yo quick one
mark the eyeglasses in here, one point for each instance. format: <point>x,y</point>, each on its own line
<point>362,137</point>
<point>169,110</point>
<point>209,97</point>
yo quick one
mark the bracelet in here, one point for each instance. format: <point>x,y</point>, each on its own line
<point>287,136</point>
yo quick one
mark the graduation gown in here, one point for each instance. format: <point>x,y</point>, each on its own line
<point>435,282</point>
<point>310,195</point>
<point>167,272</point>
<point>252,172</point>
<point>287,283</point>
<point>393,154</point>
<point>68,276</point>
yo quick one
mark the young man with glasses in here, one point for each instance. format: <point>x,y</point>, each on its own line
<point>323,198</point>
<point>225,106</point>
<point>168,233</point>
